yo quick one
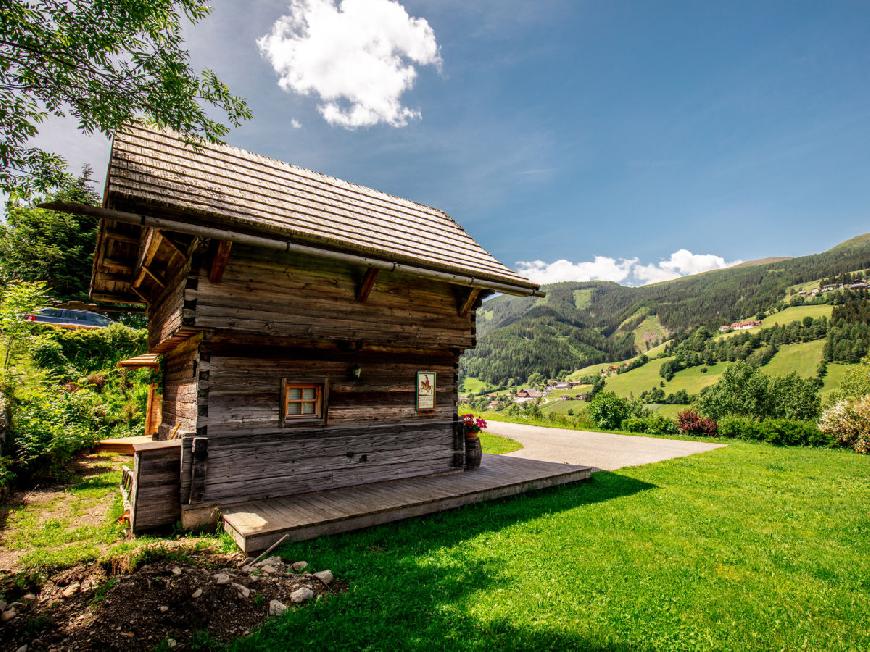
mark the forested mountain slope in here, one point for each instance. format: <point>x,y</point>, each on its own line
<point>578,324</point>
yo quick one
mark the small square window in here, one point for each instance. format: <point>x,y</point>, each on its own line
<point>302,402</point>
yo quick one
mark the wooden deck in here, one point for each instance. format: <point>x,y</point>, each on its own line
<point>257,525</point>
<point>122,445</point>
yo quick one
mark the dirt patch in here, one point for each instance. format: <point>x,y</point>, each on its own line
<point>176,601</point>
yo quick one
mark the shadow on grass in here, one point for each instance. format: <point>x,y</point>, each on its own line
<point>407,584</point>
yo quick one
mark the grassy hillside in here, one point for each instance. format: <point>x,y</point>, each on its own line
<point>692,380</point>
<point>802,358</point>
<point>833,379</point>
<point>633,382</point>
<point>648,334</point>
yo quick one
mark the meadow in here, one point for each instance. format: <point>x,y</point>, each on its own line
<point>802,358</point>
<point>655,557</point>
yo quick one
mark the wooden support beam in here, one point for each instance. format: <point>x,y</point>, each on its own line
<point>153,276</point>
<point>115,266</point>
<point>219,260</point>
<point>368,282</point>
<point>470,300</point>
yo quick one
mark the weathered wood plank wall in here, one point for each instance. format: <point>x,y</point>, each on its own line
<point>277,316</point>
<point>154,496</point>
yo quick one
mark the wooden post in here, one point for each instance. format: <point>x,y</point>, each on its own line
<point>367,284</point>
<point>219,260</point>
<point>470,300</point>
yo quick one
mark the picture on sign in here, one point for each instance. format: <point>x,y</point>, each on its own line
<point>426,390</point>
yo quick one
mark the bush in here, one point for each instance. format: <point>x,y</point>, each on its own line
<point>744,391</point>
<point>848,422</point>
<point>654,424</point>
<point>93,349</point>
<point>608,411</point>
<point>48,429</point>
<point>782,432</point>
<point>690,422</point>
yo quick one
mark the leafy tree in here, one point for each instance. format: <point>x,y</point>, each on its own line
<point>744,391</point>
<point>17,300</point>
<point>103,62</point>
<point>43,245</point>
<point>608,410</point>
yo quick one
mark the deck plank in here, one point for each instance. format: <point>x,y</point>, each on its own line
<point>258,524</point>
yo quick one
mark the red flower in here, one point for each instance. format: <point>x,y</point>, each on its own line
<point>481,424</point>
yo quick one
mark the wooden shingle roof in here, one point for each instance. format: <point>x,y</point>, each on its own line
<point>158,171</point>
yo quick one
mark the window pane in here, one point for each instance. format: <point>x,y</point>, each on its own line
<point>308,408</point>
<point>294,392</point>
<point>308,393</point>
<point>294,408</point>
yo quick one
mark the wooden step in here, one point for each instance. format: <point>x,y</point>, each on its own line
<point>258,524</point>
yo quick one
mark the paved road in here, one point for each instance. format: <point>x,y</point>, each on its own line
<point>599,449</point>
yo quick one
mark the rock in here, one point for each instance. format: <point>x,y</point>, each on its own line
<point>274,560</point>
<point>163,608</point>
<point>170,642</point>
<point>325,576</point>
<point>299,565</point>
<point>8,615</point>
<point>244,590</point>
<point>276,608</point>
<point>301,595</point>
<point>247,568</point>
<point>221,578</point>
<point>71,589</point>
<point>28,597</point>
<point>176,570</point>
<point>197,593</point>
<point>23,648</point>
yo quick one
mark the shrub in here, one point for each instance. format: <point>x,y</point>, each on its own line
<point>848,422</point>
<point>97,348</point>
<point>654,424</point>
<point>608,411</point>
<point>48,429</point>
<point>744,391</point>
<point>782,432</point>
<point>690,422</point>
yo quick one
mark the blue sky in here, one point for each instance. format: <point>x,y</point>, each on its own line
<point>572,130</point>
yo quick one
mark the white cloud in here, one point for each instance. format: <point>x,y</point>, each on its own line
<point>295,124</point>
<point>600,269</point>
<point>627,271</point>
<point>358,57</point>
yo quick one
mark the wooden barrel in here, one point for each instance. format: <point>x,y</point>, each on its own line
<point>473,454</point>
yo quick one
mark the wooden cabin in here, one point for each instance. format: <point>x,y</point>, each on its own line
<point>310,328</point>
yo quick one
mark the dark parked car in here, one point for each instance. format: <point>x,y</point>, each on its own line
<point>70,318</point>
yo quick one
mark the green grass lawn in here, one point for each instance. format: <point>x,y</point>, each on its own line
<point>633,382</point>
<point>694,379</point>
<point>474,385</point>
<point>498,444</point>
<point>803,358</point>
<point>562,407</point>
<point>670,410</point>
<point>834,377</point>
<point>748,547</point>
<point>63,525</point>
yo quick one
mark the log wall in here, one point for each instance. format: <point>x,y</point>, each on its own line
<point>276,317</point>
<point>180,376</point>
<point>154,494</point>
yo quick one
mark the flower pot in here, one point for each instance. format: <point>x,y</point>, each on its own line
<point>473,454</point>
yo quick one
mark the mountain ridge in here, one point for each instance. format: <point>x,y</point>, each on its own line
<point>580,323</point>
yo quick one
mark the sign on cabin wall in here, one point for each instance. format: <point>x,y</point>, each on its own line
<point>426,390</point>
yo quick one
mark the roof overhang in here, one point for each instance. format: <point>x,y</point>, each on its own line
<point>197,228</point>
